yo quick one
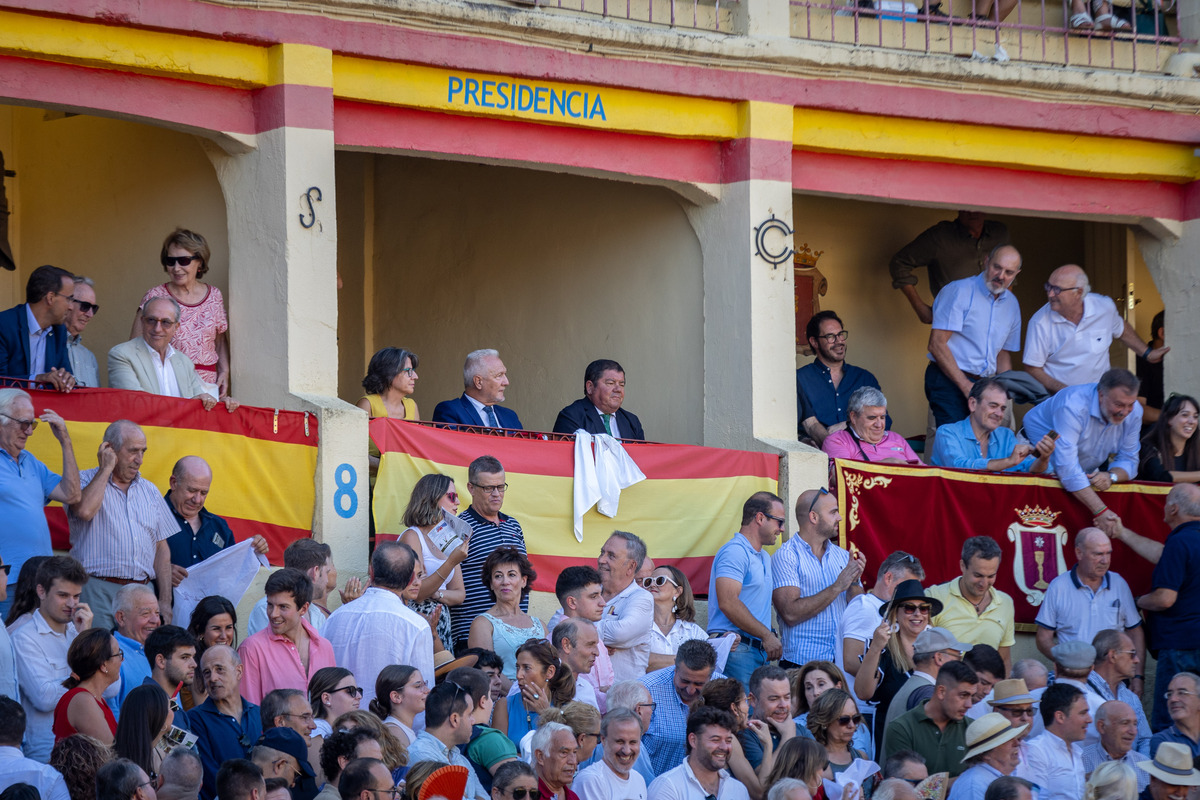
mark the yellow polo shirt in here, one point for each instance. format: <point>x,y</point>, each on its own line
<point>993,627</point>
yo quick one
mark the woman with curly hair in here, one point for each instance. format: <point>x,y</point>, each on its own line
<point>508,576</point>
<point>544,682</point>
<point>78,758</point>
<point>395,755</point>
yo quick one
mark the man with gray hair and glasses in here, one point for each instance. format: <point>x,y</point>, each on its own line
<point>83,307</point>
<point>1067,341</point>
<point>484,380</point>
<point>27,485</point>
<point>150,364</point>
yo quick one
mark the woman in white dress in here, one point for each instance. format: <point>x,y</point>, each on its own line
<point>674,615</point>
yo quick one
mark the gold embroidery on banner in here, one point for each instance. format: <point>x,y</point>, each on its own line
<point>856,482</point>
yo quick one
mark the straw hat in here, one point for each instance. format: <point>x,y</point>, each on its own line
<point>988,732</point>
<point>1172,764</point>
<point>444,662</point>
<point>1010,693</point>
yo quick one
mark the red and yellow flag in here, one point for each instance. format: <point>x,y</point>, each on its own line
<point>931,511</point>
<point>688,506</point>
<point>263,460</point>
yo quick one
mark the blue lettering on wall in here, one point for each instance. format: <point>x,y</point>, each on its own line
<point>517,96</point>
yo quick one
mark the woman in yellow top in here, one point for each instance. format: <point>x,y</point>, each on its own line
<point>390,382</point>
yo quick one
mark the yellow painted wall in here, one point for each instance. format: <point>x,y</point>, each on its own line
<point>886,337</point>
<point>551,270</point>
<point>98,196</point>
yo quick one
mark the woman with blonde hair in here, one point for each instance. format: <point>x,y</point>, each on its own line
<point>1112,780</point>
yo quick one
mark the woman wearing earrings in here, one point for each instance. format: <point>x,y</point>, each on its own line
<point>674,615</point>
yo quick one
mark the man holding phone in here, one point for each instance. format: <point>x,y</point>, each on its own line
<point>982,442</point>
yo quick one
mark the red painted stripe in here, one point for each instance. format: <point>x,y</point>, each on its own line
<point>960,185</point>
<point>756,159</point>
<point>376,127</point>
<point>181,104</point>
<point>695,568</point>
<point>478,53</point>
<point>293,106</point>
<point>1191,201</point>
<point>106,405</point>
<point>277,536</point>
<point>537,457</point>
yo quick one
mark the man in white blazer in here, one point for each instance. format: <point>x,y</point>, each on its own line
<point>151,364</point>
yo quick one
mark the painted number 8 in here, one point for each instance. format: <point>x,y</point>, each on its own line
<point>345,501</point>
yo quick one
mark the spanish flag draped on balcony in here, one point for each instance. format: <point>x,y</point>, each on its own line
<point>263,460</point>
<point>688,506</point>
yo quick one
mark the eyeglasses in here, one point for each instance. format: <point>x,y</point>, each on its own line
<point>830,338</point>
<point>1125,652</point>
<point>154,322</point>
<point>657,580</point>
<point>409,371</point>
<point>1015,712</point>
<point>183,261</point>
<point>288,763</point>
<point>534,794</point>
<point>30,424</point>
<point>85,307</point>
<point>501,489</point>
<point>6,568</point>
<point>813,504</point>
<point>118,654</point>
<point>353,691</point>
<point>1170,693</point>
<point>1055,291</point>
<point>916,608</point>
<point>395,792</point>
<point>847,719</point>
<point>595,736</point>
<point>307,717</point>
<point>652,705</point>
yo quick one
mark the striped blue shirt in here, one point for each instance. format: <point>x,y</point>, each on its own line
<point>796,565</point>
<point>664,741</point>
<point>119,542</point>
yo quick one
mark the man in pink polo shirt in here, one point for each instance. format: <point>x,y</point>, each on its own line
<point>289,651</point>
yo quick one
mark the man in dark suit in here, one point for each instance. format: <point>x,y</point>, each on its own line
<point>33,338</point>
<point>484,380</point>
<point>600,411</point>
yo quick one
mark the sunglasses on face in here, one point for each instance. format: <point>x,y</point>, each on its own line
<point>353,691</point>
<point>848,719</point>
<point>657,580</point>
<point>520,794</point>
<point>85,307</point>
<point>183,261</point>
<point>915,608</point>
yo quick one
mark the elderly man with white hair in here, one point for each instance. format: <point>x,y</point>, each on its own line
<point>1067,341</point>
<point>83,307</point>
<point>135,611</point>
<point>484,380</point>
<point>793,789</point>
<point>555,752</point>
<point>27,485</point>
<point>613,777</point>
<point>866,437</point>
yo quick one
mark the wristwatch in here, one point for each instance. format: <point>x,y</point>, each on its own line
<point>1112,476</point>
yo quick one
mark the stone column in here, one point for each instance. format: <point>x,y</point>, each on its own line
<point>281,203</point>
<point>1171,253</point>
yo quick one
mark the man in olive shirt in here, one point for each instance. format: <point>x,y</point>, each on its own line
<point>938,729</point>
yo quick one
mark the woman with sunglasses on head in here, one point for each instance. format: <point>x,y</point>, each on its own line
<point>1171,450</point>
<point>888,659</point>
<point>833,721</point>
<point>203,333</point>
<point>400,694</point>
<point>440,539</point>
<point>332,692</point>
<point>515,780</point>
<point>95,661</point>
<point>213,622</point>
<point>813,680</point>
<point>674,615</point>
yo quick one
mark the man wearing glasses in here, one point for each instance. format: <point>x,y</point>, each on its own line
<point>367,779</point>
<point>1118,661</point>
<point>1067,340</point>
<point>83,308</point>
<point>823,388</point>
<point>1183,704</point>
<point>33,338</point>
<point>27,485</point>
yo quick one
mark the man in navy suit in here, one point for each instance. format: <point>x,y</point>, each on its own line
<point>484,379</point>
<point>600,411</point>
<point>33,338</point>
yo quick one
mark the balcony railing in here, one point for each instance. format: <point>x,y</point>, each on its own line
<point>709,15</point>
<point>1034,32</point>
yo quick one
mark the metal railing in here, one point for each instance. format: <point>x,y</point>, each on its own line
<point>712,15</point>
<point>1035,32</point>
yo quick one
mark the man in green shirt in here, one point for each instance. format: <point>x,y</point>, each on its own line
<point>938,729</point>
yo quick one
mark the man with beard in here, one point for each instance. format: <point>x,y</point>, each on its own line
<point>981,441</point>
<point>171,651</point>
<point>976,328</point>
<point>614,777</point>
<point>823,387</point>
<point>675,692</point>
<point>703,774</point>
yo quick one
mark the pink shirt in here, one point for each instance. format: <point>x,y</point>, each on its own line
<point>272,662</point>
<point>843,444</point>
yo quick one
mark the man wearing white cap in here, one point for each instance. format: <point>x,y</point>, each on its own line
<point>994,751</point>
<point>1171,773</point>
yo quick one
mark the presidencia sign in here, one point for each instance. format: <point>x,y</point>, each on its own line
<point>612,108</point>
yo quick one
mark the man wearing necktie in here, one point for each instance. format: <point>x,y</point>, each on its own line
<point>484,380</point>
<point>600,410</point>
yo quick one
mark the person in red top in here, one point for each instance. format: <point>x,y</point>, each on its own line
<point>287,653</point>
<point>555,752</point>
<point>95,662</point>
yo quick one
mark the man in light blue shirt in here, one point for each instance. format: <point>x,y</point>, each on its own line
<point>976,327</point>
<point>447,724</point>
<point>14,766</point>
<point>741,583</point>
<point>1093,421</point>
<point>135,612</point>
<point>982,442</point>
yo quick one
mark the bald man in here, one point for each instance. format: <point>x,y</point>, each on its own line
<point>1068,338</point>
<point>201,533</point>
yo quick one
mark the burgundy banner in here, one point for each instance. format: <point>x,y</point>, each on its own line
<point>930,512</point>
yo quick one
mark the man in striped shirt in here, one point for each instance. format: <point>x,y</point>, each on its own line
<point>120,527</point>
<point>490,530</point>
